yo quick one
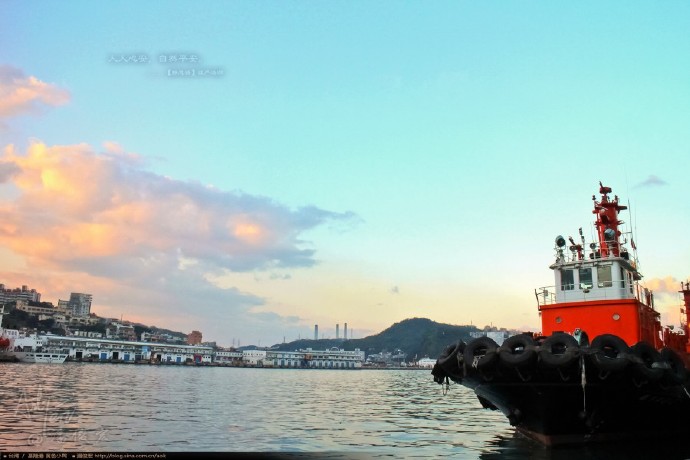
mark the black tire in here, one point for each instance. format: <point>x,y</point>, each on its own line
<point>559,350</point>
<point>610,353</point>
<point>647,361</point>
<point>449,362</point>
<point>480,353</point>
<point>677,372</point>
<point>518,351</point>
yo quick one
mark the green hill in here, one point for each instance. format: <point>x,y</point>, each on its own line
<point>416,337</point>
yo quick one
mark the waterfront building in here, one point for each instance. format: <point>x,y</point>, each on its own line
<point>24,293</point>
<point>254,357</point>
<point>333,358</point>
<point>99,349</point>
<point>229,357</point>
<point>426,362</point>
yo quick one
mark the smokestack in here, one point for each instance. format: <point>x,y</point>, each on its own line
<point>316,332</point>
<point>337,331</point>
<point>345,332</point>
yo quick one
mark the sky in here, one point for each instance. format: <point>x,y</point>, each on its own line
<point>251,169</point>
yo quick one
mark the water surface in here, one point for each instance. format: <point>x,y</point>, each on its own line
<point>346,413</point>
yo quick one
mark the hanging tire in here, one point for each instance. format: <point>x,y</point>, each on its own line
<point>677,372</point>
<point>448,361</point>
<point>610,353</point>
<point>647,361</point>
<point>480,353</point>
<point>559,350</point>
<point>518,351</point>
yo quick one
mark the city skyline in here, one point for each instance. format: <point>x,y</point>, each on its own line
<point>30,295</point>
<point>249,169</point>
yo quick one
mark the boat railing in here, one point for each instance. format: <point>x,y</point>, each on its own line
<point>545,295</point>
<point>594,251</point>
<point>549,295</point>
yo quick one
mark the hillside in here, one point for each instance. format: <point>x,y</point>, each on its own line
<point>416,337</point>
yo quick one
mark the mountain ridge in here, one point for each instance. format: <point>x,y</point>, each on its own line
<point>416,337</point>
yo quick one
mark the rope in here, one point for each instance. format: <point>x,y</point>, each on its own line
<point>583,382</point>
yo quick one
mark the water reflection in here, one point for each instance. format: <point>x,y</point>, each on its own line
<point>360,414</point>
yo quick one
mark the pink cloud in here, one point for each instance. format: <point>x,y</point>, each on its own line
<point>21,94</point>
<point>668,285</point>
<point>76,205</point>
<point>141,243</point>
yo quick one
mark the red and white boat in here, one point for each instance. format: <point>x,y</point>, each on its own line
<point>603,367</point>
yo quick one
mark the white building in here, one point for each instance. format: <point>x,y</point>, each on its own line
<point>228,357</point>
<point>99,349</point>
<point>254,357</point>
<point>426,362</point>
<point>334,358</point>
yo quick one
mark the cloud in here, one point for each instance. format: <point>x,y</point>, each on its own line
<point>21,94</point>
<point>668,285</point>
<point>146,242</point>
<point>81,208</point>
<point>651,181</point>
<point>7,171</point>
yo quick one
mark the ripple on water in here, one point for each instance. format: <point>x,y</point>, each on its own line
<point>370,414</point>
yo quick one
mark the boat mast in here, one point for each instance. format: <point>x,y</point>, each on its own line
<point>607,222</point>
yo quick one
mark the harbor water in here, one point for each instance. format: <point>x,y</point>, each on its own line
<point>76,407</point>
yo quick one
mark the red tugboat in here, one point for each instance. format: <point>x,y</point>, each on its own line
<point>630,382</point>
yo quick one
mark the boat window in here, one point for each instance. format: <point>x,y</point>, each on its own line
<point>567,280</point>
<point>585,278</point>
<point>604,276</point>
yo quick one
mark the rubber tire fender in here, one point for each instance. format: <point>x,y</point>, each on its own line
<point>484,350</point>
<point>649,356</point>
<point>560,340</point>
<point>677,372</point>
<point>610,353</point>
<point>448,361</point>
<point>510,354</point>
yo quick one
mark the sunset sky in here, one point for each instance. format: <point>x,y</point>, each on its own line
<point>250,169</point>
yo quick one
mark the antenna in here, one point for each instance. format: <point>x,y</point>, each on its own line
<point>633,218</point>
<point>582,237</point>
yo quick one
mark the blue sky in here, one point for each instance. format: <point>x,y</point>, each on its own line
<point>409,159</point>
